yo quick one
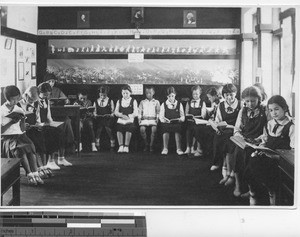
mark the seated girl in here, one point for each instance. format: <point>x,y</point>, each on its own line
<point>171,117</point>
<point>15,143</point>
<point>126,111</point>
<point>262,167</point>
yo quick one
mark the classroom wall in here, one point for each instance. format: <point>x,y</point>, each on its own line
<point>120,18</point>
<point>18,24</point>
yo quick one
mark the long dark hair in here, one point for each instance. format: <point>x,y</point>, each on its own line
<point>278,99</point>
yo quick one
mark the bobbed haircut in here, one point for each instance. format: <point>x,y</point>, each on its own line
<point>11,91</point>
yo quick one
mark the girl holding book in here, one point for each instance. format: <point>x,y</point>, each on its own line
<point>249,125</point>
<point>29,103</point>
<point>104,116</point>
<point>15,143</point>
<point>195,109</point>
<point>86,118</point>
<point>262,167</point>
<point>171,117</point>
<point>126,111</point>
<point>227,112</point>
<point>57,136</point>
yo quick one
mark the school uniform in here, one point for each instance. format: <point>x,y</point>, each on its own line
<point>86,121</point>
<point>54,137</point>
<point>34,133</point>
<point>149,110</point>
<point>249,124</point>
<point>262,169</point>
<point>171,111</point>
<point>222,143</point>
<point>104,107</point>
<point>127,107</point>
<point>15,143</point>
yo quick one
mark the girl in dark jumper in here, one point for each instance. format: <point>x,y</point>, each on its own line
<point>227,111</point>
<point>126,111</point>
<point>249,125</point>
<point>262,167</point>
<point>104,115</point>
<point>170,110</point>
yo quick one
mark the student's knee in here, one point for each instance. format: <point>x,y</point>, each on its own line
<point>142,129</point>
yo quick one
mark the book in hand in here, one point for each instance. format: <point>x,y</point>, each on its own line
<point>173,121</point>
<point>103,115</point>
<point>85,110</point>
<point>191,117</point>
<point>219,126</point>
<point>125,121</point>
<point>18,113</point>
<point>148,122</point>
<point>54,124</point>
<point>200,121</point>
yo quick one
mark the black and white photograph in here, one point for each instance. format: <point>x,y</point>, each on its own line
<point>206,119</point>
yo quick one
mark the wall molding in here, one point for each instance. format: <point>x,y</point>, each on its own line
<point>19,35</point>
<point>131,32</point>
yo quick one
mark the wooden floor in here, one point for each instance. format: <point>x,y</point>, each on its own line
<point>131,179</point>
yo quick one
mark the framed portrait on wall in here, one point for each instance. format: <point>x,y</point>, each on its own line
<point>21,71</point>
<point>189,18</point>
<point>83,19</point>
<point>8,43</point>
<point>33,71</point>
<point>137,15</point>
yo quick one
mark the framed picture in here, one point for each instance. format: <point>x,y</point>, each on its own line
<point>83,19</point>
<point>21,71</point>
<point>33,71</point>
<point>189,18</point>
<point>8,43</point>
<point>137,15</point>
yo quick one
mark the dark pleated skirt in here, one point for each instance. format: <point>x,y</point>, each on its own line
<point>15,146</point>
<point>169,127</point>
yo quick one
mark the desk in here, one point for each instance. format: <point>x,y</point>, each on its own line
<point>286,174</point>
<point>72,111</point>
<point>10,177</point>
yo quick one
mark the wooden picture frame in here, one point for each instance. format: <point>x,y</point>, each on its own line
<point>83,19</point>
<point>21,71</point>
<point>33,71</point>
<point>137,15</point>
<point>189,18</point>
<point>8,43</point>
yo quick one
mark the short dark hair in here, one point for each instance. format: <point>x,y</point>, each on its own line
<point>212,91</point>
<point>11,91</point>
<point>103,89</point>
<point>82,92</point>
<point>252,91</point>
<point>196,87</point>
<point>44,87</point>
<point>126,87</point>
<point>171,90</point>
<point>229,88</point>
<point>49,76</point>
<point>150,88</point>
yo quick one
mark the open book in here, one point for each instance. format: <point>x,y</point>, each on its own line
<point>191,117</point>
<point>85,110</point>
<point>177,120</point>
<point>219,126</point>
<point>125,121</point>
<point>18,113</point>
<point>54,124</point>
<point>200,121</point>
<point>242,143</point>
<point>103,115</point>
<point>148,122</point>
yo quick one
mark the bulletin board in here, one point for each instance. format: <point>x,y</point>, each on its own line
<point>7,52</point>
<point>25,64</point>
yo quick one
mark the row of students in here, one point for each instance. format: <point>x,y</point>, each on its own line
<point>250,122</point>
<point>149,112</point>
